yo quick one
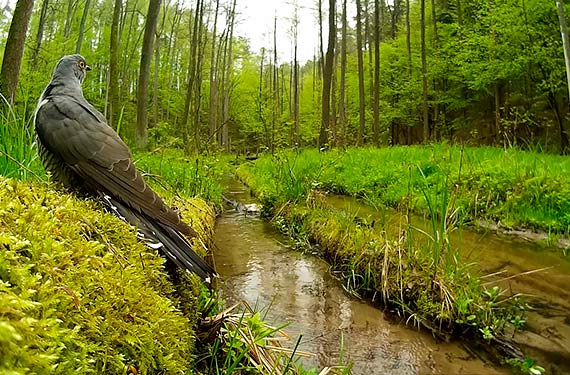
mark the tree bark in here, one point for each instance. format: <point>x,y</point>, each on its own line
<point>191,73</point>
<point>296,139</point>
<point>424,70</point>
<point>566,44</point>
<point>14,49</point>
<point>114,97</point>
<point>69,18</point>
<point>327,78</point>
<point>342,94</point>
<point>40,33</point>
<point>82,27</point>
<point>141,134</point>
<point>376,94</point>
<point>361,88</point>
<point>227,88</point>
<point>212,112</point>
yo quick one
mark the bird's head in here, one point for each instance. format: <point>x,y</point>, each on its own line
<point>71,66</point>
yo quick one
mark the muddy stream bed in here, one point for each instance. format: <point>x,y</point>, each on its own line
<point>257,266</point>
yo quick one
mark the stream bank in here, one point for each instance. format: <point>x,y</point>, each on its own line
<point>257,265</point>
<point>512,262</point>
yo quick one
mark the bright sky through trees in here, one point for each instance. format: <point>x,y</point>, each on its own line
<point>256,19</point>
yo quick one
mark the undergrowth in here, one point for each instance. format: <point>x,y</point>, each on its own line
<point>510,187</point>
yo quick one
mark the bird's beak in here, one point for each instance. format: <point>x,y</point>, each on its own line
<point>87,68</point>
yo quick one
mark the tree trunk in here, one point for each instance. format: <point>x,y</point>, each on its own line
<point>424,70</point>
<point>275,83</point>
<point>141,136</point>
<point>361,88</point>
<point>191,74</point>
<point>376,96</point>
<point>342,89</point>
<point>227,88</point>
<point>563,137</point>
<point>327,78</point>
<point>14,49</point>
<point>198,79</point>
<point>69,18</point>
<point>114,97</point>
<point>212,112</point>
<point>436,83</point>
<point>296,139</point>
<point>40,33</point>
<point>321,49</point>
<point>82,27</point>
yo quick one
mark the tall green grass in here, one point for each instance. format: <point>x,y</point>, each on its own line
<point>510,187</point>
<point>18,156</point>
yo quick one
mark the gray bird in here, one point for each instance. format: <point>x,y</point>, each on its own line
<point>85,154</point>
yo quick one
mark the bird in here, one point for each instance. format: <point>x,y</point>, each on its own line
<point>83,153</point>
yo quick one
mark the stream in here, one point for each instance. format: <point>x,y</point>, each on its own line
<point>257,266</point>
<point>546,336</point>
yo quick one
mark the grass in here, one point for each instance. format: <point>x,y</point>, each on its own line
<point>18,155</point>
<point>510,187</point>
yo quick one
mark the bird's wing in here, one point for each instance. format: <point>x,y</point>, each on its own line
<point>78,134</point>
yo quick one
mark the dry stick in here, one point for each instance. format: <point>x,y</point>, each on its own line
<point>517,275</point>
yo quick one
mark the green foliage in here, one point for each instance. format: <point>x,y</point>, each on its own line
<point>197,176</point>
<point>510,187</point>
<point>18,157</point>
<point>79,293</point>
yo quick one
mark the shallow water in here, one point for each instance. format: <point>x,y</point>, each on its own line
<point>257,266</point>
<point>547,334</point>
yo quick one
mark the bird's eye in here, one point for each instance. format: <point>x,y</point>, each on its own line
<point>82,65</point>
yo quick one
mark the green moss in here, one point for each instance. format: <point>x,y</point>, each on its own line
<point>80,294</point>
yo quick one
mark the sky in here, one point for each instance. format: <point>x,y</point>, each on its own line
<point>255,22</point>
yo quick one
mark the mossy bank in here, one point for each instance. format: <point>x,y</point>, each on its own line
<point>80,293</point>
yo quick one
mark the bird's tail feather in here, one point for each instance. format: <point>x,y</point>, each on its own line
<point>160,236</point>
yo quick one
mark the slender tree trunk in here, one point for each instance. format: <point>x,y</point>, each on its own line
<point>82,27</point>
<point>212,111</point>
<point>342,93</point>
<point>198,81</point>
<point>563,137</point>
<point>141,135</point>
<point>424,70</point>
<point>114,67</point>
<point>327,78</point>
<point>69,18</point>
<point>226,118</point>
<point>321,49</point>
<point>155,80</point>
<point>409,53</point>
<point>40,33</point>
<point>192,58</point>
<point>276,115</point>
<point>260,100</point>
<point>334,123</point>
<point>361,88</point>
<point>296,139</point>
<point>14,49</point>
<point>436,83</point>
<point>376,96</point>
